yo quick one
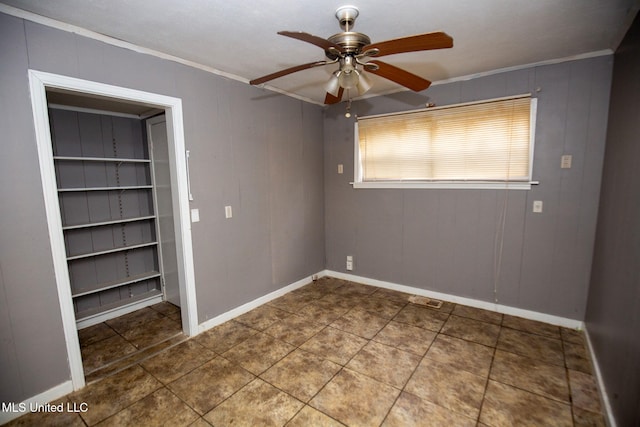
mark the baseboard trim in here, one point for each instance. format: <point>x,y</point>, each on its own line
<point>22,408</point>
<point>499,308</point>
<point>224,317</point>
<point>604,397</point>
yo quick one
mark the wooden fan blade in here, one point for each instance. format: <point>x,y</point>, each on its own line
<point>400,76</point>
<point>330,99</point>
<point>284,72</point>
<point>310,38</point>
<point>428,41</point>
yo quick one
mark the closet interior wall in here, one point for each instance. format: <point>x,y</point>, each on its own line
<point>105,188</point>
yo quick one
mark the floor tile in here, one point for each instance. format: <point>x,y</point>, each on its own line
<point>133,320</point>
<point>322,311</point>
<point>292,302</point>
<point>583,418</point>
<point>110,395</point>
<point>410,410</point>
<point>477,314</point>
<point>472,330</point>
<point>506,406</point>
<point>335,345</point>
<point>309,417</point>
<point>573,336</point>
<point>166,308</point>
<point>530,375</point>
<point>355,399</point>
<point>262,317</point>
<point>132,359</point>
<point>584,392</point>
<point>177,361</point>
<point>385,364</point>
<point>531,326</point>
<point>460,354</point>
<point>534,346</point>
<point>222,337</point>
<point>210,384</point>
<point>159,408</point>
<point>406,337</point>
<point>258,353</point>
<point>103,352</point>
<point>301,374</point>
<point>457,390</point>
<point>148,333</point>
<point>422,317</point>
<point>294,330</point>
<point>94,334</point>
<point>360,322</point>
<point>381,307</point>
<point>576,357</point>
<point>391,295</point>
<point>352,289</point>
<point>256,404</point>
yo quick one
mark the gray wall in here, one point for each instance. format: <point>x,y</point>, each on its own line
<point>613,309</point>
<point>256,151</point>
<point>443,240</point>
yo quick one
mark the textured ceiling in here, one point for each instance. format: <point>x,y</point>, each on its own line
<point>239,37</point>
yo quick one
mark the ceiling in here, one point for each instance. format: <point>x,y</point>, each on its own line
<point>238,38</point>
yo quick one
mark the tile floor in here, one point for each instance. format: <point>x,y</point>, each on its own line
<point>110,346</point>
<point>338,353</point>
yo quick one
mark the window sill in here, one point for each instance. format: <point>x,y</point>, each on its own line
<point>451,185</point>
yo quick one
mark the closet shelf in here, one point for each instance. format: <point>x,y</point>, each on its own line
<point>84,315</point>
<point>110,251</point>
<point>101,159</point>
<point>119,282</point>
<point>110,222</point>
<point>122,188</point>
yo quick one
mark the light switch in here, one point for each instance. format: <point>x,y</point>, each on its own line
<point>195,215</point>
<point>228,213</point>
<point>340,168</point>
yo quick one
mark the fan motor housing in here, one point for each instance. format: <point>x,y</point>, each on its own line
<point>350,41</point>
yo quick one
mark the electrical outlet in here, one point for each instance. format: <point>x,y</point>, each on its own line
<point>537,206</point>
<point>565,161</point>
<point>349,263</point>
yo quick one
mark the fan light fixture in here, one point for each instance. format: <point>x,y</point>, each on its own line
<point>357,56</point>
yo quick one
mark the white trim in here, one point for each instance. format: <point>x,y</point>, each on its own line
<point>38,82</point>
<point>498,308</point>
<point>224,317</point>
<point>50,395</point>
<point>604,397</point>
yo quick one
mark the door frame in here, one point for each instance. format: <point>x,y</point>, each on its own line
<point>38,83</point>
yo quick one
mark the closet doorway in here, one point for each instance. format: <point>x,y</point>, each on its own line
<point>115,183</point>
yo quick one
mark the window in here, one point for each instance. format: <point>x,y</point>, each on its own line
<point>486,144</point>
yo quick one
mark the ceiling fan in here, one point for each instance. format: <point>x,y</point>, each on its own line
<point>355,54</point>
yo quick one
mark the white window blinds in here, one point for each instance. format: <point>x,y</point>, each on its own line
<point>487,141</point>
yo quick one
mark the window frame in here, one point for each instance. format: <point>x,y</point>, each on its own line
<point>447,184</point>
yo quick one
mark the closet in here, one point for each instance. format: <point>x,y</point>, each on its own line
<point>108,205</point>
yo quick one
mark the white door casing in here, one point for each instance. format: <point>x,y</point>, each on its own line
<point>39,82</point>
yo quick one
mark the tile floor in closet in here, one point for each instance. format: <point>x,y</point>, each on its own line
<point>340,353</point>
